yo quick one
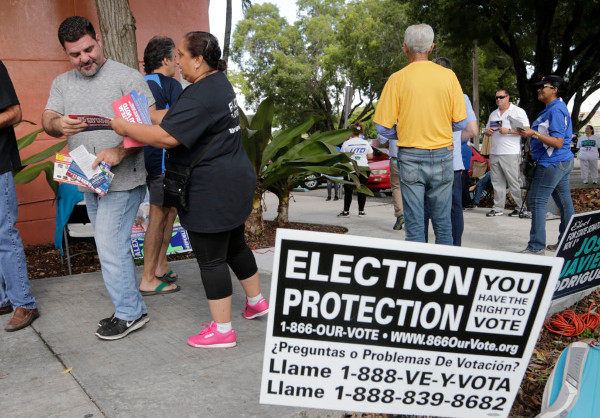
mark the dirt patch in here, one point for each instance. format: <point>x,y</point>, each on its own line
<point>44,261</point>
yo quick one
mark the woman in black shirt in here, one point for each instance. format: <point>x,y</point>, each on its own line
<point>222,182</point>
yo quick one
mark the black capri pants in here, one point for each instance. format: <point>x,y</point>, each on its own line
<point>217,252</point>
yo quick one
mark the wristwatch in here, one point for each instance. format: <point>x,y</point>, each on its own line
<point>536,135</point>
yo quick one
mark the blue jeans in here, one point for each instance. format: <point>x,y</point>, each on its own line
<point>112,217</point>
<point>14,281</point>
<point>481,186</point>
<point>426,174</point>
<point>333,185</point>
<point>549,181</point>
<point>456,214</point>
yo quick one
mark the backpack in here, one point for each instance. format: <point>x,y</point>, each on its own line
<point>572,389</point>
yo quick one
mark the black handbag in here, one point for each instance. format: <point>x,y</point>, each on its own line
<point>176,183</point>
<point>529,169</point>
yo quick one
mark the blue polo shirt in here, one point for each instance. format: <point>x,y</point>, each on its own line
<point>554,121</point>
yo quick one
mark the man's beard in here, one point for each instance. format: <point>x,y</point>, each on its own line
<point>92,69</point>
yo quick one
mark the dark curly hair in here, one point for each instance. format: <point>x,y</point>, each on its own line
<point>204,44</point>
<point>74,28</point>
<point>159,48</point>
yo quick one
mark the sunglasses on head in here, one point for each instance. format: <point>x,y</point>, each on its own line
<point>501,97</point>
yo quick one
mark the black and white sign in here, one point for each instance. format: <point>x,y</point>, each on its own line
<point>580,247</point>
<point>374,325</point>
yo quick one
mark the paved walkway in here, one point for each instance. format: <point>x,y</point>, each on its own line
<point>58,368</point>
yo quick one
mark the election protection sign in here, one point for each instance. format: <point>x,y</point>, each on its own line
<point>386,326</point>
<point>580,248</point>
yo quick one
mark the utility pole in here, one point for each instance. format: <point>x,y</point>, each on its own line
<point>348,93</point>
<point>476,90</point>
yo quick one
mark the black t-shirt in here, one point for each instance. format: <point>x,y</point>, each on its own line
<point>223,182</point>
<point>165,90</point>
<point>9,154</point>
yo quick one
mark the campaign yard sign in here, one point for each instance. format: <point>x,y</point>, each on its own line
<point>386,326</point>
<point>180,241</point>
<point>580,248</point>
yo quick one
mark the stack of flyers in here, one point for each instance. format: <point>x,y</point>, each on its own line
<point>61,167</point>
<point>76,168</point>
<point>133,107</point>
<point>94,123</point>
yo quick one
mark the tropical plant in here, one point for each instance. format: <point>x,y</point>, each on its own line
<point>284,160</point>
<point>33,165</point>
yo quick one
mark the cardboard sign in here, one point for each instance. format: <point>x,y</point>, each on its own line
<point>180,242</point>
<point>386,326</point>
<point>580,247</point>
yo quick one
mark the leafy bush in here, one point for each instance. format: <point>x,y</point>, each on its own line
<point>33,165</point>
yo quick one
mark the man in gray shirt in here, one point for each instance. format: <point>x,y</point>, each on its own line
<point>90,89</point>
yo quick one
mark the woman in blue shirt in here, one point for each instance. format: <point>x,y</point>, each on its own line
<point>551,135</point>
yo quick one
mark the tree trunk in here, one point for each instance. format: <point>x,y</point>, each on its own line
<point>227,39</point>
<point>117,29</point>
<point>255,224</point>
<point>283,209</point>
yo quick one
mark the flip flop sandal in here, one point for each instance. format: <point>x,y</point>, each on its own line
<point>169,277</point>
<point>159,290</point>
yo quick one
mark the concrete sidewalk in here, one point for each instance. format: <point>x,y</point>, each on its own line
<point>153,372</point>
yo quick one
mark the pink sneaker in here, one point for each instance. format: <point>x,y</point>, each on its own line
<point>254,311</point>
<point>209,337</point>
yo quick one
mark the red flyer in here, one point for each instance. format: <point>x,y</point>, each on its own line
<point>94,123</point>
<point>125,107</point>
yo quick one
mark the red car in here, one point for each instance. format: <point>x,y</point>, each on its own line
<point>379,179</point>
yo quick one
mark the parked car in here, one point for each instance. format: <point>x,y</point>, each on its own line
<point>312,181</point>
<point>379,179</point>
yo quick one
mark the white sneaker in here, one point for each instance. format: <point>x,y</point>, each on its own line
<point>494,213</point>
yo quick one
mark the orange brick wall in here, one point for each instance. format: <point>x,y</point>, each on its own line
<point>30,50</point>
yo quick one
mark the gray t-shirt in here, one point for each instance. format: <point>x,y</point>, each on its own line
<point>75,94</point>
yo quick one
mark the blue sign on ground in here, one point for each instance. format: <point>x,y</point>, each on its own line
<point>580,247</point>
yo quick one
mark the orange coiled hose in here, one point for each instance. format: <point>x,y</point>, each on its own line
<point>570,324</point>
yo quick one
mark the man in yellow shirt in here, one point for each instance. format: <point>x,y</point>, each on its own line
<point>419,107</point>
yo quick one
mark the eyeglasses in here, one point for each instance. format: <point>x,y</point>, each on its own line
<point>549,86</point>
<point>500,97</point>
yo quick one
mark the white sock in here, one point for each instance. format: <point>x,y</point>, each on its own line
<point>255,299</point>
<point>224,327</point>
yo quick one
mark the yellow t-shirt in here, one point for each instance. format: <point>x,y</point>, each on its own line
<point>424,98</point>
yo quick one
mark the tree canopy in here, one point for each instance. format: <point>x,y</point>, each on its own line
<point>285,61</point>
<point>304,66</point>
<point>538,37</point>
